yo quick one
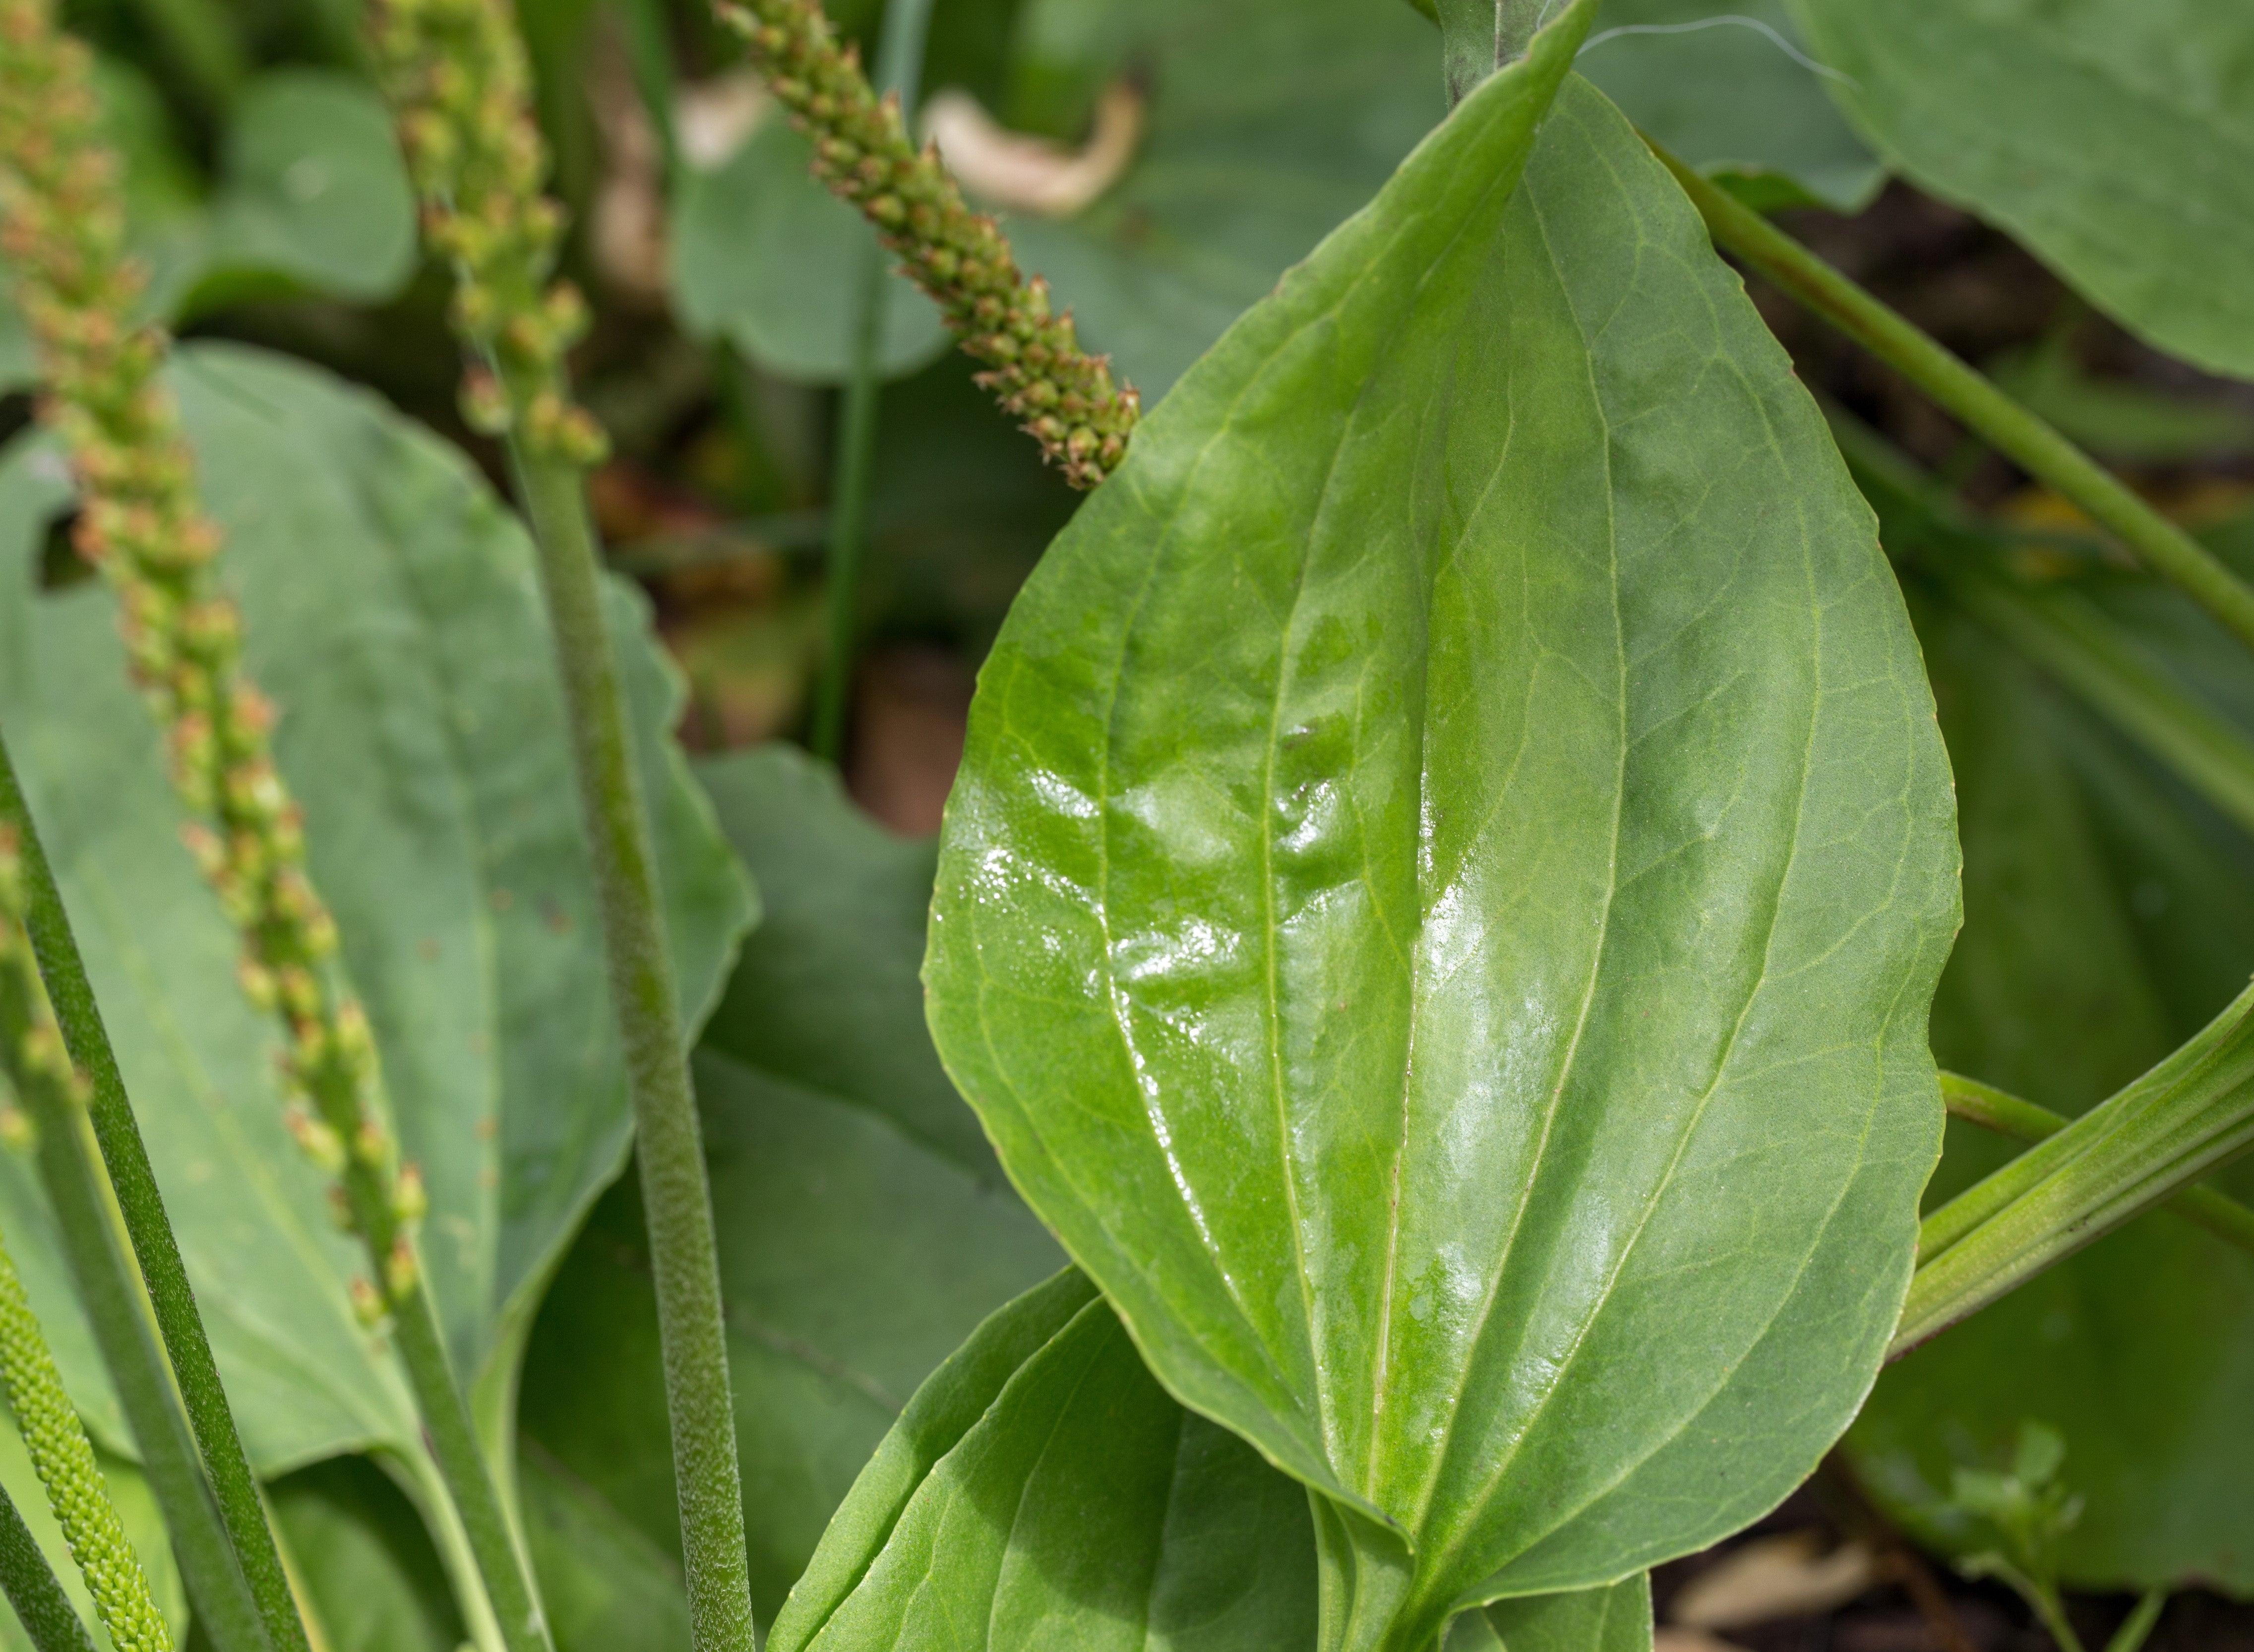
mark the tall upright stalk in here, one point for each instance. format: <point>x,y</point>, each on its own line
<point>456,73</point>
<point>33,1056</point>
<point>2010,428</point>
<point>899,67</point>
<point>142,526</point>
<point>83,1195</point>
<point>33,1590</point>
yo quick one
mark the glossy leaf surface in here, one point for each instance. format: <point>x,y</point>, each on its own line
<point>2108,913</point>
<point>766,257</point>
<point>1449,868</point>
<point>862,1237</point>
<point>391,612</point>
<point>1041,1490</point>
<point>2116,140</point>
<point>1617,1618</point>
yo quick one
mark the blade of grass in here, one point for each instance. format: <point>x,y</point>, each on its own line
<point>54,1094</point>
<point>2006,1114</point>
<point>899,69</point>
<point>2138,1627</point>
<point>125,1157</point>
<point>33,1590</point>
<point>456,72</point>
<point>2014,432</point>
<point>2189,1115</point>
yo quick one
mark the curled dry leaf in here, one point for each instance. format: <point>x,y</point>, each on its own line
<point>627,231</point>
<point>1025,173</point>
<point>713,119</point>
<point>1788,1576</point>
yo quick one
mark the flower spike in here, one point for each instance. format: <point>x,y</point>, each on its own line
<point>1035,365</point>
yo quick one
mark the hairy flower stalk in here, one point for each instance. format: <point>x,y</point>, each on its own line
<point>142,524</point>
<point>456,75</point>
<point>1034,363</point>
<point>33,1056</point>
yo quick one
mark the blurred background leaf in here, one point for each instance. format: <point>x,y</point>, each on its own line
<point>2108,913</point>
<point>309,195</point>
<point>1734,93</point>
<point>390,609</point>
<point>864,1232</point>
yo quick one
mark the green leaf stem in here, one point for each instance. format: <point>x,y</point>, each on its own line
<point>1428,821</point>
<point>43,1611</point>
<point>2014,432</point>
<point>2116,140</point>
<point>1991,1109</point>
<point>2190,1115</point>
<point>864,1228</point>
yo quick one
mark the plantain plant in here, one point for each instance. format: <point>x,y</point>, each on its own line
<point>1443,923</point>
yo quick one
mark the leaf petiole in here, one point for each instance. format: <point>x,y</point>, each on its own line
<point>2016,432</point>
<point>2190,1115</point>
<point>2006,1114</point>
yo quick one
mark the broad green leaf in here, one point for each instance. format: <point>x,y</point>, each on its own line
<point>1732,91</point>
<point>137,1507</point>
<point>1448,872</point>
<point>1041,1490</point>
<point>391,612</point>
<point>768,259</point>
<point>2107,913</point>
<point>1614,1619</point>
<point>2115,137</point>
<point>825,995</point>
<point>1270,122</point>
<point>363,1563</point>
<point>311,195</point>
<point>861,1236</point>
<point>605,1583</point>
